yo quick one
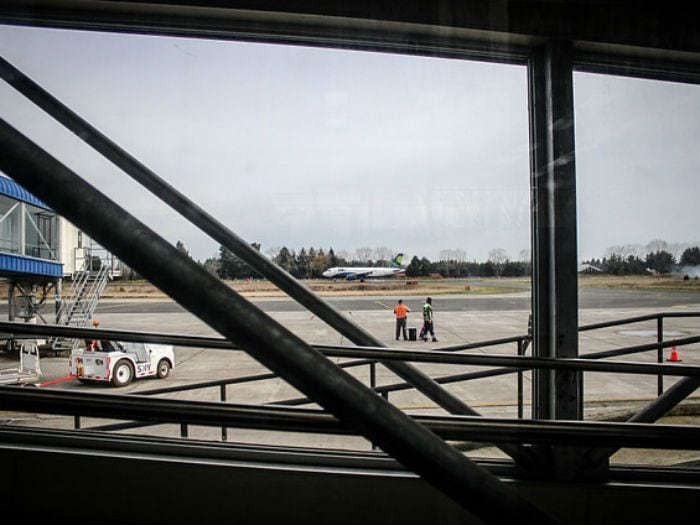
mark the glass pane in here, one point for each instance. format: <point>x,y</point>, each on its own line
<point>320,158</point>
<point>41,233</point>
<point>637,174</point>
<point>9,225</point>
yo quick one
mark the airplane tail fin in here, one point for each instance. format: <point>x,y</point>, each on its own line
<point>396,261</point>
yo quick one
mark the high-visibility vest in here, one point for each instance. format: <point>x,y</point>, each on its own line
<point>427,312</point>
<point>401,310</point>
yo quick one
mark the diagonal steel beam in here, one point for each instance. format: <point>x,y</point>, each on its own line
<point>305,368</point>
<point>651,413</point>
<point>223,235</point>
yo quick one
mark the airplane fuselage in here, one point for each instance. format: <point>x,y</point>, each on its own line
<point>352,273</point>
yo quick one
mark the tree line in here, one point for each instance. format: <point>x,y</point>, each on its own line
<point>310,263</point>
<point>660,261</point>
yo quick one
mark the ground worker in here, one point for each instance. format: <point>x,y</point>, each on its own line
<point>428,321</point>
<point>401,312</point>
<point>93,345</point>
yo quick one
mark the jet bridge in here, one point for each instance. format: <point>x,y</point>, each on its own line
<point>29,257</point>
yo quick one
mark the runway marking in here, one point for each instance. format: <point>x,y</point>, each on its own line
<point>382,304</point>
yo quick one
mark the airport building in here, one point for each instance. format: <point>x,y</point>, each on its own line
<point>34,241</point>
<point>39,250</point>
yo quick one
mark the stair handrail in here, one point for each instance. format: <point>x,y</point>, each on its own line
<point>87,290</point>
<point>77,288</point>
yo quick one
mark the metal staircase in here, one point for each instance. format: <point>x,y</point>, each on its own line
<point>88,285</point>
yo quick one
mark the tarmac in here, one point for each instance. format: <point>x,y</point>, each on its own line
<point>606,396</point>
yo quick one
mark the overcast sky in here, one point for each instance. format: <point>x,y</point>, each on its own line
<point>305,147</point>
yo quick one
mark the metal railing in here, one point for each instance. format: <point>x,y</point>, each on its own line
<point>87,288</point>
<point>287,419</point>
<point>371,356</point>
<point>93,258</point>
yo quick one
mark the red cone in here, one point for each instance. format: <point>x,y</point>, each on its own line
<point>675,357</point>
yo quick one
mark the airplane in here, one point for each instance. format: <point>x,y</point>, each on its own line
<point>352,273</point>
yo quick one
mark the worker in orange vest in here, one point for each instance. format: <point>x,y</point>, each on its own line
<point>401,312</point>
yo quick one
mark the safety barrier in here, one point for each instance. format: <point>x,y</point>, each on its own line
<point>372,356</point>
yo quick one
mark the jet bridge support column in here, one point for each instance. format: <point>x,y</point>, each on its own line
<point>11,305</point>
<point>58,287</point>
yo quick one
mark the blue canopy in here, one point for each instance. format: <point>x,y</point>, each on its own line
<point>12,189</point>
<point>11,264</point>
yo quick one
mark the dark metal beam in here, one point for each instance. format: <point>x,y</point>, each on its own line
<point>656,65</point>
<point>555,266</point>
<point>627,29</point>
<point>555,394</point>
<point>261,336</point>
<point>278,24</point>
<point>651,413</point>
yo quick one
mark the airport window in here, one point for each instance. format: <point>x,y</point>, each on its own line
<point>41,234</point>
<point>306,150</point>
<point>637,164</point>
<point>10,211</point>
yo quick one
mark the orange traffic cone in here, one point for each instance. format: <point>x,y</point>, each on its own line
<point>675,357</point>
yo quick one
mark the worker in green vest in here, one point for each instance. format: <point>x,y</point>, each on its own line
<point>428,321</point>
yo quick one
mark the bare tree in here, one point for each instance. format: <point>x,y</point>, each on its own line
<point>383,253</point>
<point>677,248</point>
<point>657,245</point>
<point>623,251</point>
<point>524,256</point>
<point>458,255</point>
<point>498,257</point>
<point>617,250</point>
<point>363,253</point>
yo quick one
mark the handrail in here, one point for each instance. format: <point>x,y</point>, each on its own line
<point>15,329</point>
<point>371,354</point>
<point>637,319</point>
<point>479,428</point>
<point>442,357</point>
<point>67,308</point>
